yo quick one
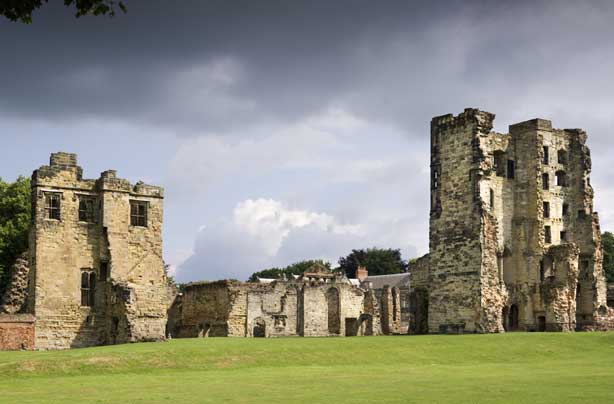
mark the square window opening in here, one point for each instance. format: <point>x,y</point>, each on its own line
<point>53,205</point>
<point>138,213</point>
<point>87,210</point>
<point>546,209</point>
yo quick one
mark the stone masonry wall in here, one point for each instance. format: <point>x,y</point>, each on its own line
<point>16,332</point>
<point>211,309</point>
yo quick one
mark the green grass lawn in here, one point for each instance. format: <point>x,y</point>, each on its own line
<point>518,367</point>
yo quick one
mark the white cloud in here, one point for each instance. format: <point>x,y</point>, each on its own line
<point>265,233</point>
<point>313,189</point>
<point>255,236</point>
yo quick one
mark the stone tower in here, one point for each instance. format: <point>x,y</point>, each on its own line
<point>97,275</point>
<point>514,242</point>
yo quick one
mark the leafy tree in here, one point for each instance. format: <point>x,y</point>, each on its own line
<point>15,209</point>
<point>378,261</point>
<point>293,269</point>
<point>607,243</point>
<point>21,10</point>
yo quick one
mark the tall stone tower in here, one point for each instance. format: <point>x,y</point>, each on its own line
<point>97,275</point>
<point>514,241</point>
<point>466,291</point>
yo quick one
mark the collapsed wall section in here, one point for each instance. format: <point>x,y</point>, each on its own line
<point>321,305</point>
<point>210,309</point>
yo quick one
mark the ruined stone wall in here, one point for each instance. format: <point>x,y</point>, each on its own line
<point>559,288</point>
<point>276,306</point>
<point>16,332</point>
<point>16,293</point>
<point>312,308</point>
<point>315,311</point>
<point>390,303</point>
<point>61,248</point>
<point>353,316</point>
<point>369,323</point>
<point>212,309</point>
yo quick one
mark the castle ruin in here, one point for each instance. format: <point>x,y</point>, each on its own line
<point>514,241</point>
<point>95,274</point>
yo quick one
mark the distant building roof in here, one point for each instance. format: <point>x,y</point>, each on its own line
<point>265,280</point>
<point>354,281</point>
<point>392,280</point>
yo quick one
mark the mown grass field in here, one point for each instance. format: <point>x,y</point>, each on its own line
<point>518,368</point>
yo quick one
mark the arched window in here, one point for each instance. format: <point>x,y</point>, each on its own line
<point>513,318</point>
<point>88,287</point>
<point>259,330</point>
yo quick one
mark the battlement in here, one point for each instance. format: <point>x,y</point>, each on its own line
<point>531,125</point>
<point>63,159</point>
<point>63,171</point>
<point>482,119</point>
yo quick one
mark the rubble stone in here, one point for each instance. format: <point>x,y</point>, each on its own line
<point>16,293</point>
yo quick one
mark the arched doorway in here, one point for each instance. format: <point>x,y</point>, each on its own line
<point>365,325</point>
<point>203,330</point>
<point>259,328</point>
<point>334,319</point>
<point>513,318</point>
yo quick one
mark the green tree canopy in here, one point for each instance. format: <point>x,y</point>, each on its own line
<point>293,269</point>
<point>378,261</point>
<point>21,10</point>
<point>607,243</point>
<point>15,209</point>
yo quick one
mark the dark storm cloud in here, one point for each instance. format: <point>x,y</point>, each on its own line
<point>213,65</point>
<point>288,58</point>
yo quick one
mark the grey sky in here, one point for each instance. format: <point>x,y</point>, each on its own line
<point>291,130</point>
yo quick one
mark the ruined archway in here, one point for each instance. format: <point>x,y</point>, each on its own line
<point>365,326</point>
<point>259,330</point>
<point>513,318</point>
<point>334,319</point>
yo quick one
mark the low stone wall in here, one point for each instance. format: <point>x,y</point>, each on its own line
<point>16,332</point>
